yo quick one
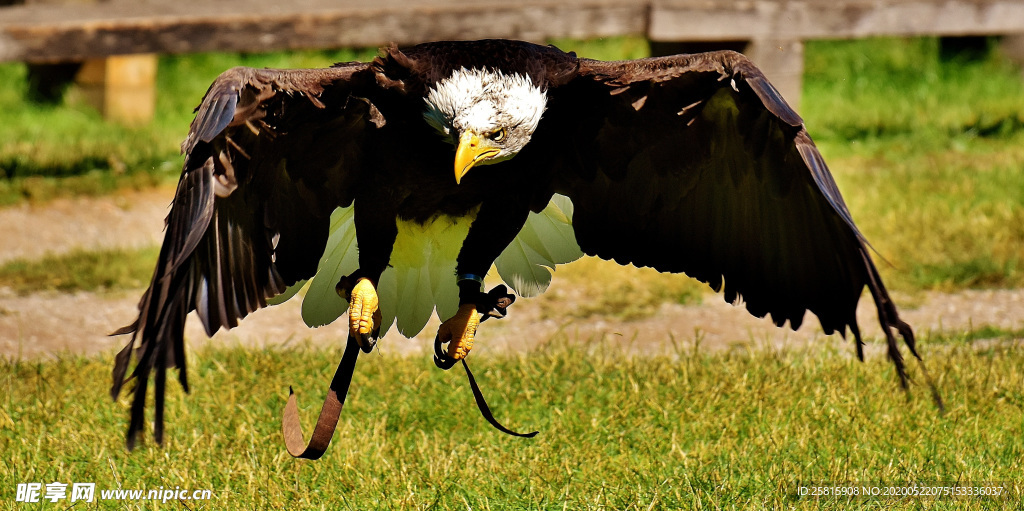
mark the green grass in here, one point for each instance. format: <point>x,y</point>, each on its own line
<point>929,154</point>
<point>44,145</point>
<point>722,430</point>
<point>96,182</point>
<point>81,270</point>
<point>606,288</point>
<point>872,89</point>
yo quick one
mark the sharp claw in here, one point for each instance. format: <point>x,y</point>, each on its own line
<point>459,330</point>
<point>441,358</point>
<point>366,343</point>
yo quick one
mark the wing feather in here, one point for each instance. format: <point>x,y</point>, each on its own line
<point>250,216</point>
<point>696,164</point>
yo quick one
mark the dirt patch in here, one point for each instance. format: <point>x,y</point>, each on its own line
<point>47,324</point>
<point>126,219</point>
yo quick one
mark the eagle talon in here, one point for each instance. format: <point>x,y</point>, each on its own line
<point>441,358</point>
<point>458,331</point>
<point>367,342</point>
<point>364,317</point>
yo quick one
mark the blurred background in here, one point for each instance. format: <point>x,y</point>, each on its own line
<point>917,106</point>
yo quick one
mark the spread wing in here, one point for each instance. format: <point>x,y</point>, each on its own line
<point>270,154</point>
<point>695,164</point>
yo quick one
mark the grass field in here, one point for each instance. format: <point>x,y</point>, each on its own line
<point>81,270</point>
<point>69,149</point>
<point>727,430</point>
<point>930,156</point>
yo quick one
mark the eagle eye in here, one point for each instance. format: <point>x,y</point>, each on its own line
<point>497,135</point>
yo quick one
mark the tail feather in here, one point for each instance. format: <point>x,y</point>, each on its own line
<point>416,299</point>
<point>421,276</point>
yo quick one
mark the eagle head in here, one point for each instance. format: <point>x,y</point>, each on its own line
<point>488,115</point>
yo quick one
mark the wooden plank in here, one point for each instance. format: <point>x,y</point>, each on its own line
<point>782,61</point>
<point>122,87</point>
<point>77,31</point>
<point>706,20</point>
<point>1013,47</point>
<point>29,33</point>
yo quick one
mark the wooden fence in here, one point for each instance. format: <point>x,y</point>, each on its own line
<point>118,39</point>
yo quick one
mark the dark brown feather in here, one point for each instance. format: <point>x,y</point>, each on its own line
<point>219,255</point>
<point>696,164</point>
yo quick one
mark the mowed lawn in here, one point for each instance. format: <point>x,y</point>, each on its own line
<point>929,153</point>
<point>732,430</point>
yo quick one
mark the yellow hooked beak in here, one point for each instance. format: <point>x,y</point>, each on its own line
<point>471,151</point>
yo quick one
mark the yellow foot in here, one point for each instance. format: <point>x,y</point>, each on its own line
<point>364,313</point>
<point>459,330</point>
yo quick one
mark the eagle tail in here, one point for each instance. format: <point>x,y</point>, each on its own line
<point>421,277</point>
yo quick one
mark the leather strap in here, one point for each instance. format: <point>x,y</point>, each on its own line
<point>492,305</point>
<point>329,413</point>
<point>486,410</point>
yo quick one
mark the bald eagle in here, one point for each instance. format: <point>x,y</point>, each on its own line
<point>402,181</point>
